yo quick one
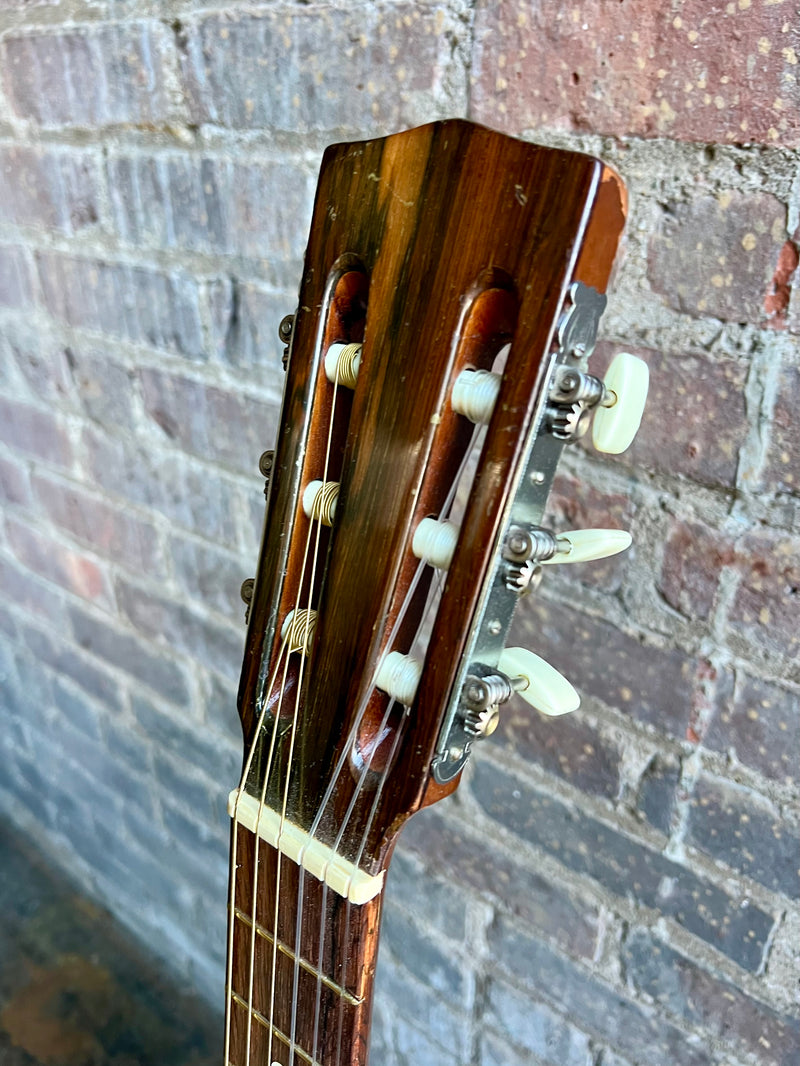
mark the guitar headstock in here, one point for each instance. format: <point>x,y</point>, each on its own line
<point>411,473</point>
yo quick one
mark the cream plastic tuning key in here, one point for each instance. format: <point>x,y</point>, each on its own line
<point>547,690</point>
<point>398,676</point>
<point>435,541</point>
<point>342,362</point>
<point>475,394</point>
<point>583,545</point>
<point>615,424</point>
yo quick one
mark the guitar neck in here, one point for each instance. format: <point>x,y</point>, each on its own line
<point>311,961</point>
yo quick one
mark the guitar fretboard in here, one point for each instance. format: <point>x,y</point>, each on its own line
<point>301,985</point>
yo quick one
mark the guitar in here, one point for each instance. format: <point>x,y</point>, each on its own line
<point>405,498</point>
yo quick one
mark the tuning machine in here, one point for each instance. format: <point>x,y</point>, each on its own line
<point>618,403</point>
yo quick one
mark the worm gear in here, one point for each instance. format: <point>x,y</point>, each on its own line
<point>568,422</point>
<point>523,578</point>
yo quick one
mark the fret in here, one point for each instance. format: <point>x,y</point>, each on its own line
<point>282,1038</point>
<point>304,963</point>
<point>324,982</point>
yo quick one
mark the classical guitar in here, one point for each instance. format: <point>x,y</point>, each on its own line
<point>436,367</point>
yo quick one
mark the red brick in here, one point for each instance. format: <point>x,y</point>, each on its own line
<point>704,70</point>
<point>649,684</point>
<point>363,66</point>
<point>782,470</point>
<point>694,555</point>
<point>717,255</point>
<point>54,561</point>
<point>765,609</point>
<point>574,503</point>
<point>572,749</point>
<point>34,432</point>
<point>111,532</point>
<point>760,726</point>
<point>695,421</point>
<point>52,190</point>
<point>54,79</point>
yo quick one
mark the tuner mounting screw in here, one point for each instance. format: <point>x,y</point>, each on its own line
<point>246,592</point>
<point>285,330</point>
<point>265,465</point>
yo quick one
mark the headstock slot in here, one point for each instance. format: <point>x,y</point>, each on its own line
<point>463,240</point>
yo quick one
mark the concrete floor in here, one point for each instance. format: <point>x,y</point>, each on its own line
<point>75,990</point>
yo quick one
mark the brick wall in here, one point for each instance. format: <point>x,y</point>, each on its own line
<point>615,888</point>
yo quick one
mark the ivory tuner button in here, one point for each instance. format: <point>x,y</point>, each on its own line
<point>547,690</point>
<point>583,545</point>
<point>615,426</point>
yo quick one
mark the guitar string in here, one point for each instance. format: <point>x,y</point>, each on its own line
<point>445,511</point>
<point>290,760</point>
<point>234,849</point>
<point>261,804</point>
<point>283,813</point>
<point>373,810</point>
<point>266,777</point>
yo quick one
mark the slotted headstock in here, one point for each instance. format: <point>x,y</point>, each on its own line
<point>431,251</point>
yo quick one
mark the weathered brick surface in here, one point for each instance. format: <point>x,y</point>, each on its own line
<point>354,63</point>
<point>783,459</point>
<point>572,748</point>
<point>186,493</point>
<point>760,725</point>
<point>658,792</point>
<point>729,824</point>
<point>219,647</point>
<point>472,860</point>
<point>723,250</point>
<point>677,436</point>
<point>34,432</point>
<point>211,205</point>
<point>139,304</point>
<point>690,573</point>
<point>122,537</point>
<point>701,997</point>
<point>765,608</point>
<point>156,670</point>
<point>54,560</point>
<point>50,190</point>
<point>627,1025</point>
<point>229,427</point>
<point>698,71</point>
<point>16,282</point>
<point>649,684</point>
<point>131,66</point>
<point>626,866</point>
